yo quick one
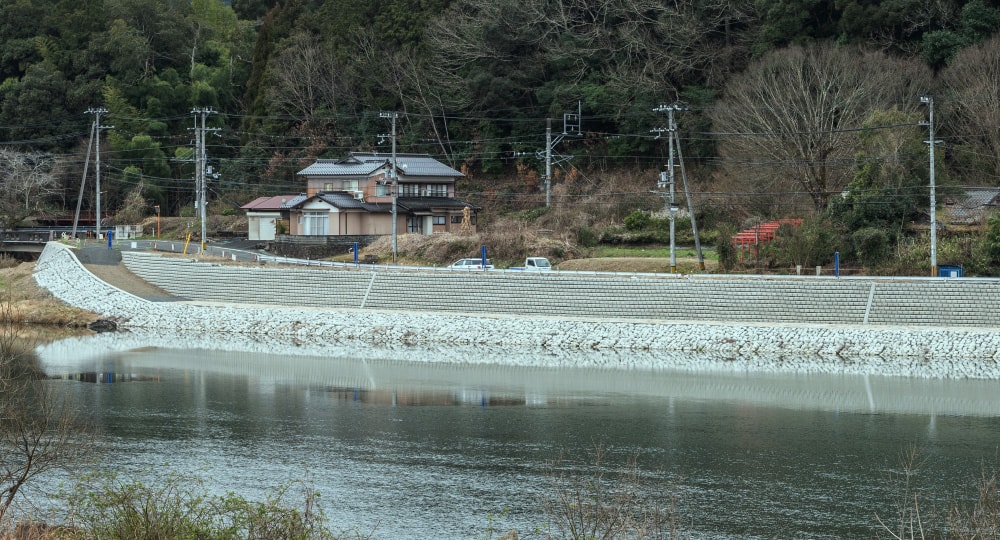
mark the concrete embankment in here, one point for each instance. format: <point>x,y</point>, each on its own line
<point>891,350</point>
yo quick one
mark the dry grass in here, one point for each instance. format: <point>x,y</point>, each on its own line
<point>685,265</point>
<point>35,304</point>
<point>506,246</point>
<point>177,228</point>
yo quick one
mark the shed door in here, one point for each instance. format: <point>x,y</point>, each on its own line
<point>268,228</point>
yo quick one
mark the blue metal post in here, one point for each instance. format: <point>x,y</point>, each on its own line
<point>355,253</point>
<point>111,237</point>
<point>836,263</point>
<point>484,255</point>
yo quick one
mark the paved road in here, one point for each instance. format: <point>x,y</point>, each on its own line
<point>107,264</point>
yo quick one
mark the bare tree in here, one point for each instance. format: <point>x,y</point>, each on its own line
<point>307,79</point>
<point>420,86</point>
<point>972,108</point>
<point>791,119</point>
<point>641,46</point>
<point>25,182</point>
<point>38,431</point>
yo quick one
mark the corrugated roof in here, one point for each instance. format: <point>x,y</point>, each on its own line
<point>263,204</point>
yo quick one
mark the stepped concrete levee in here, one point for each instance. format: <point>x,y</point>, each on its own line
<point>382,311</point>
<point>916,302</point>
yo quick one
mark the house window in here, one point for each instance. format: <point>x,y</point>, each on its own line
<point>436,190</point>
<point>350,185</point>
<point>413,224</point>
<point>456,219</point>
<point>440,220</point>
<point>315,223</point>
<point>328,186</point>
<point>409,190</point>
<point>383,190</point>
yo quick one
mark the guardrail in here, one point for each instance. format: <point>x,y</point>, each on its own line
<point>241,255</point>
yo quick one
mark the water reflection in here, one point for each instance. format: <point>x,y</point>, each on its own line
<point>469,375</point>
<point>102,377</point>
<point>426,442</point>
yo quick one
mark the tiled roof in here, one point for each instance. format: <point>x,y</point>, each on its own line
<point>340,167</point>
<point>432,203</point>
<point>413,164</point>
<point>366,163</point>
<point>974,205</point>
<point>340,199</point>
<point>345,201</point>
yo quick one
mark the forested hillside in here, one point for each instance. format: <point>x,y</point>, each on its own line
<point>783,106</point>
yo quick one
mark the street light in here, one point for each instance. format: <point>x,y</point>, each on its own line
<point>929,100</point>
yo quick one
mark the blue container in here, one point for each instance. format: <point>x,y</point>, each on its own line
<point>949,270</point>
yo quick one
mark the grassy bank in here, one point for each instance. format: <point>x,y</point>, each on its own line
<point>33,304</point>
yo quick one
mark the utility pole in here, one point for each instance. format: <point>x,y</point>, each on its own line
<point>674,141</point>
<point>670,205</point>
<point>548,162</point>
<point>392,173</point>
<point>97,165</point>
<point>201,180</point>
<point>571,126</point>
<point>197,164</point>
<point>83,180</point>
<point>929,100</point>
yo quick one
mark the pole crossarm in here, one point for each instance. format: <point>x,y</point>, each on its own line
<point>571,126</point>
<point>673,142</point>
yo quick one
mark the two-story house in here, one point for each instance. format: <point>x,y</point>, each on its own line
<point>353,196</point>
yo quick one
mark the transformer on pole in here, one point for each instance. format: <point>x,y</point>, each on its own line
<point>674,143</point>
<point>392,174</point>
<point>929,100</point>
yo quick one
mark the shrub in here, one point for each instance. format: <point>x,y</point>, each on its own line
<point>637,220</point>
<point>586,237</point>
<point>108,508</point>
<point>608,502</point>
<point>724,248</point>
<point>871,245</point>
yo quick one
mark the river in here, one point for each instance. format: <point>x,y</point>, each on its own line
<point>410,446</point>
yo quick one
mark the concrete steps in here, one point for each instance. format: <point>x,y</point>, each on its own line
<point>734,299</point>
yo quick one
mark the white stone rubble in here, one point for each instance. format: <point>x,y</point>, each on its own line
<point>923,352</point>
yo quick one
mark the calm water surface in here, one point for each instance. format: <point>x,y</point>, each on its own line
<point>411,448</point>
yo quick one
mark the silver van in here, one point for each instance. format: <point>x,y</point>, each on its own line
<point>471,264</point>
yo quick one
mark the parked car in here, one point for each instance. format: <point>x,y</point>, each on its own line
<point>534,264</point>
<point>471,264</point>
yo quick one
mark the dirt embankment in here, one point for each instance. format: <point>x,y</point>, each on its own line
<point>685,265</point>
<point>33,304</point>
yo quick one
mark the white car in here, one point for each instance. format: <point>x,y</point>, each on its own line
<point>471,264</point>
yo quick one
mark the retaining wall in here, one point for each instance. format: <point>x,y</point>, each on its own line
<point>912,302</point>
<point>969,352</point>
